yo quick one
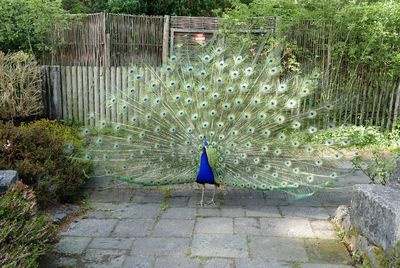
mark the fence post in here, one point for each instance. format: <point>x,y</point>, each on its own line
<point>106,41</point>
<point>165,45</point>
<point>52,91</point>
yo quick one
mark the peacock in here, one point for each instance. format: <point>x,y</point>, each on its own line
<point>220,117</point>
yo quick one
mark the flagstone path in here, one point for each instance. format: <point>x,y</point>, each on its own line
<point>164,227</point>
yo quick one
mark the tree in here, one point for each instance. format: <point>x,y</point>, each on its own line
<point>25,23</point>
<point>149,7</point>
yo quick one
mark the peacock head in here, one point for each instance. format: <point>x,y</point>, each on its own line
<point>205,144</point>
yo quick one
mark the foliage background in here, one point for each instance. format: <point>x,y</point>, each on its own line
<point>26,234</point>
<point>25,23</point>
<point>43,154</point>
<point>367,32</point>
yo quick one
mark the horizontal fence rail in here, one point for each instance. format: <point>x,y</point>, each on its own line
<point>81,94</point>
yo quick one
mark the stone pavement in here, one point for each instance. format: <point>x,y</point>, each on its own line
<point>164,227</point>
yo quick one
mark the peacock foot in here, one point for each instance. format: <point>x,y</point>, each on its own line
<point>201,203</point>
<point>211,203</point>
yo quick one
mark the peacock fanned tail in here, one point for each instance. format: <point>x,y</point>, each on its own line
<point>254,120</point>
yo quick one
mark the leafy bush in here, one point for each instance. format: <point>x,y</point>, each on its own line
<point>25,234</point>
<point>366,31</point>
<point>154,7</point>
<point>43,154</point>
<point>378,169</point>
<point>26,23</point>
<point>20,86</point>
<point>357,135</point>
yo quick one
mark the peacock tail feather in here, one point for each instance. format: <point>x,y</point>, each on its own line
<point>249,113</point>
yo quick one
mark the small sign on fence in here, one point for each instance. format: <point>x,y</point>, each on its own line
<point>200,38</point>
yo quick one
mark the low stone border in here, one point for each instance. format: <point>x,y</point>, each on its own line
<point>362,250</point>
<point>7,178</point>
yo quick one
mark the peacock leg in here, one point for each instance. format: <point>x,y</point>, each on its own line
<point>211,202</point>
<point>202,195</point>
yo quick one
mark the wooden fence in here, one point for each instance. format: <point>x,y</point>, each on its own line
<point>99,41</point>
<point>105,39</point>
<point>80,93</point>
<point>371,95</point>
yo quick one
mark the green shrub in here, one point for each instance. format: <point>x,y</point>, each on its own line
<point>366,31</point>
<point>44,153</point>
<point>26,23</point>
<point>20,86</point>
<point>378,168</point>
<point>25,234</point>
<point>358,136</point>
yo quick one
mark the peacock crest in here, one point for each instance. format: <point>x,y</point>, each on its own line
<point>254,124</point>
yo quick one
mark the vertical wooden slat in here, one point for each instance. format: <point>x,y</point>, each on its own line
<point>125,92</point>
<point>85,95</point>
<point>165,44</point>
<point>75,105</point>
<point>91,110</point>
<point>390,108</point>
<point>81,116</point>
<point>396,111</point>
<point>113,93</point>
<point>64,101</point>
<point>56,93</point>
<point>96,93</point>
<point>108,93</point>
<point>68,87</point>
<point>102,92</point>
<point>46,89</point>
<point>118,93</point>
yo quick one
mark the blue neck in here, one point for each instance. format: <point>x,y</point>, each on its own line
<point>205,174</point>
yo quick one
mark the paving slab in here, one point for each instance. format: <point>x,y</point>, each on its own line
<point>179,213</point>
<point>148,197</point>
<point>66,262</point>
<point>136,211</point>
<point>161,246</point>
<point>326,251</point>
<point>174,227</point>
<point>258,263</point>
<point>70,245</point>
<point>139,262</point>
<point>305,212</point>
<point>99,258</point>
<point>123,211</point>
<point>262,211</point>
<point>248,226</point>
<point>278,248</point>
<point>244,229</point>
<point>181,262</point>
<point>286,227</point>
<point>208,212</point>
<point>220,245</point>
<point>111,243</point>
<point>321,225</point>
<point>232,212</point>
<point>133,228</point>
<point>218,263</point>
<point>179,201</point>
<point>325,234</point>
<point>313,201</point>
<point>214,225</point>
<point>91,227</point>
<point>113,195</point>
<point>324,265</point>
